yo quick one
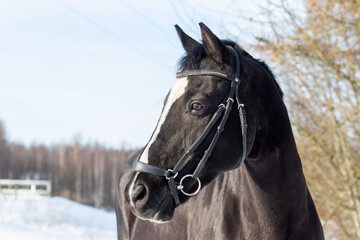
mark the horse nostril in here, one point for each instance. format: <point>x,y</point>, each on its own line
<point>138,193</point>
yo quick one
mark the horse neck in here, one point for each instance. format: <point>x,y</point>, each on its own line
<point>272,179</point>
<point>275,160</point>
<point>267,197</point>
<point>277,165</point>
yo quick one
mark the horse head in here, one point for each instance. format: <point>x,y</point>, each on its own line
<point>208,125</point>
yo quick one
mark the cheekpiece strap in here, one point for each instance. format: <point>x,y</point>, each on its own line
<point>224,111</point>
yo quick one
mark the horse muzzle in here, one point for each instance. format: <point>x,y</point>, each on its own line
<point>150,199</point>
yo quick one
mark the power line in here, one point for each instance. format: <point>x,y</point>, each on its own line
<point>178,15</point>
<point>114,35</point>
<point>149,21</point>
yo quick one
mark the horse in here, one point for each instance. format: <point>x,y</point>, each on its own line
<point>222,162</point>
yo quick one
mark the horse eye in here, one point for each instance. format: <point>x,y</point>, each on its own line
<point>197,106</point>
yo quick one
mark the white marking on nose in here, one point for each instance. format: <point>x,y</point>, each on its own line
<point>176,92</point>
<point>131,189</point>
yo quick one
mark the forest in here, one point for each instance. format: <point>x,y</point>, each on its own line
<point>85,173</point>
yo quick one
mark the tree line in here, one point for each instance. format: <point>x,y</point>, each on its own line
<point>86,173</point>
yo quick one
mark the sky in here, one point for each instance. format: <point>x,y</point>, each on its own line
<point>94,71</point>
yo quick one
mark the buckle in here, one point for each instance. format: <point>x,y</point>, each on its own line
<point>174,175</point>
<point>241,105</point>
<point>230,99</point>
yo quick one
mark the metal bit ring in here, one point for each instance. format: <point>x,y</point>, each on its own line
<point>181,187</point>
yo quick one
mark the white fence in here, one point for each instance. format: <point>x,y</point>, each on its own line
<point>14,186</point>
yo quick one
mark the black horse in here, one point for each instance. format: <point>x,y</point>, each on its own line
<point>222,162</point>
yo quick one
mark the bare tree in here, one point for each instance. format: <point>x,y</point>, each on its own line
<point>315,49</point>
<point>5,164</point>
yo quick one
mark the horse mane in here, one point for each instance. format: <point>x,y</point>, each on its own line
<point>193,58</point>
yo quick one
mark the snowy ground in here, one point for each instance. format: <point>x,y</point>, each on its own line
<point>53,218</point>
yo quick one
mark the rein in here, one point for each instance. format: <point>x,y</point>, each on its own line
<point>223,110</point>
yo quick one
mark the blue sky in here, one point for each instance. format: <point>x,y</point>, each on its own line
<point>94,70</point>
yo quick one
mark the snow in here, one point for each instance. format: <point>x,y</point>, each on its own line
<point>53,218</point>
<point>31,217</point>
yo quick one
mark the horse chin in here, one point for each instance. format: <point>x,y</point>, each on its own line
<point>163,212</point>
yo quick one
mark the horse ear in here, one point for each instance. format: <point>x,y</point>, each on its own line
<point>214,47</point>
<point>187,42</point>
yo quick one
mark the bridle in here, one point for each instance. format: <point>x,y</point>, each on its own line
<point>223,110</point>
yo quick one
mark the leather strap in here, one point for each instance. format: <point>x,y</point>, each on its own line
<point>224,110</point>
<point>147,168</point>
<point>205,73</point>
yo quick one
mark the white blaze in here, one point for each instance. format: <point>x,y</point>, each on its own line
<point>176,92</point>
